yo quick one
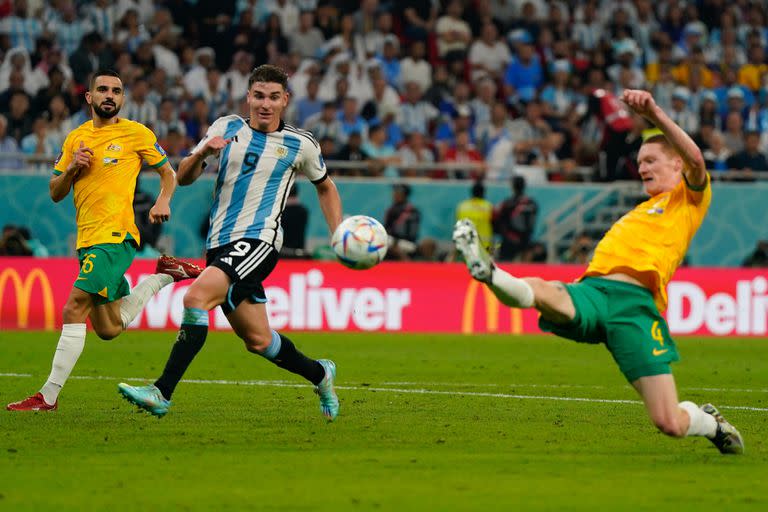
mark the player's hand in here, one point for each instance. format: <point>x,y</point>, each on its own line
<point>81,160</point>
<point>641,102</point>
<point>159,213</point>
<point>215,145</point>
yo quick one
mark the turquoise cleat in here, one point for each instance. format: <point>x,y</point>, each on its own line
<point>329,402</point>
<point>148,398</point>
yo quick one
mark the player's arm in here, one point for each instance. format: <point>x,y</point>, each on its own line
<point>66,170</point>
<point>161,210</point>
<point>191,167</point>
<point>694,169</point>
<point>330,202</point>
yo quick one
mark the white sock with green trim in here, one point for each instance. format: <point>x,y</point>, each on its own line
<point>68,350</point>
<point>510,290</point>
<point>701,424</point>
<point>132,304</point>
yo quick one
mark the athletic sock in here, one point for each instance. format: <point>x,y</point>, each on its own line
<point>284,354</point>
<point>191,338</point>
<point>132,305</point>
<point>68,350</point>
<point>701,424</point>
<point>510,290</point>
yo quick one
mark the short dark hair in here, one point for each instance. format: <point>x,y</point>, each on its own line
<point>103,72</point>
<point>268,73</point>
<point>478,189</point>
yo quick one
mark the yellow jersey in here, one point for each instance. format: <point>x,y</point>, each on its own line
<point>479,211</point>
<point>103,193</point>
<point>650,242</point>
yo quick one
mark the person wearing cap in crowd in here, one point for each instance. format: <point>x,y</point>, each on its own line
<point>390,60</point>
<point>524,74</point>
<point>402,221</point>
<point>681,113</point>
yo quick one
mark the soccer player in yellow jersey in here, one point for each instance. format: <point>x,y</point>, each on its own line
<point>101,160</point>
<point>619,298</point>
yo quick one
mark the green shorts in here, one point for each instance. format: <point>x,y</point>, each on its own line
<point>625,318</point>
<point>102,270</point>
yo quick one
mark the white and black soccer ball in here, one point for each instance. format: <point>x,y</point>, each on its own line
<point>360,242</point>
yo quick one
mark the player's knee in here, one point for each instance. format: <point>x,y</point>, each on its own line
<point>256,342</point>
<point>75,310</point>
<point>194,298</point>
<point>669,425</point>
<point>107,333</point>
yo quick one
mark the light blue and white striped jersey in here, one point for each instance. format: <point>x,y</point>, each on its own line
<point>256,171</point>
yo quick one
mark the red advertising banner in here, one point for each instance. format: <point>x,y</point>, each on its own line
<point>398,297</point>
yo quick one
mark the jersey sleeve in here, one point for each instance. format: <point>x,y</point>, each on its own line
<point>149,149</point>
<point>313,165</point>
<point>698,195</point>
<point>65,156</point>
<point>216,129</point>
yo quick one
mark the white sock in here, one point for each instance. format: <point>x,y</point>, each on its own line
<point>511,291</point>
<point>701,424</point>
<point>68,350</point>
<point>132,305</point>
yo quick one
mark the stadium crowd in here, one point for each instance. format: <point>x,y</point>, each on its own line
<point>390,84</point>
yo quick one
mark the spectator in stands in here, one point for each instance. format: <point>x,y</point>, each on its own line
<point>40,142</point>
<point>390,60</point>
<point>559,100</point>
<point>22,29</point>
<point>294,220</point>
<point>308,39</point>
<point>92,54</point>
<point>453,33</point>
<point>616,123</point>
<point>626,52</point>
<point>462,152</point>
<point>415,68</point>
<point>730,90</point>
<point>175,143</point>
<point>580,251</point>
<point>414,151</point>
<point>308,105</point>
<point>385,99</point>
<point>751,74</point>
<point>402,221</point>
<point>383,156</point>
<point>488,55</point>
<point>528,132</point>
<point>195,78</point>
<point>482,103</point>
<point>236,79</point>
<point>351,120</point>
<point>416,114</point>
<point>750,159</point>
<point>524,75</point>
<point>19,118</point>
<point>694,64</point>
<point>70,28</point>
<point>325,124</point>
<point>137,107</point>
<point>514,220</point>
<point>716,156</point>
<point>198,120</point>
<point>734,132</point>
<point>588,31</point>
<point>490,132</point>
<point>352,151</point>
<point>15,86</point>
<point>373,38</point>
<point>680,112</point>
<point>480,211</point>
<point>131,32</point>
<point>418,18</point>
<point>445,134</point>
<point>16,72</point>
<point>8,145</point>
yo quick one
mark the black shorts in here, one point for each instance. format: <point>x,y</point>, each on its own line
<point>247,262</point>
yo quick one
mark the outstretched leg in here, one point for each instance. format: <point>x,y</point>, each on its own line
<point>685,418</point>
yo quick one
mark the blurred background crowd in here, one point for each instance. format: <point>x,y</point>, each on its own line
<point>390,85</point>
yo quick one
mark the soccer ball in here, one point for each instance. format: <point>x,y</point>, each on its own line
<point>360,242</point>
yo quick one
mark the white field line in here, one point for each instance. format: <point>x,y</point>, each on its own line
<point>556,386</point>
<point>418,391</point>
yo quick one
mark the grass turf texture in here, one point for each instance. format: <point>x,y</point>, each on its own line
<point>266,447</point>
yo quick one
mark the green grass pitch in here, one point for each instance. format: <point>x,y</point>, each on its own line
<point>427,423</point>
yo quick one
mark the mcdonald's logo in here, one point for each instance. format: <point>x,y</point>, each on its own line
<point>23,289</point>
<point>491,311</point>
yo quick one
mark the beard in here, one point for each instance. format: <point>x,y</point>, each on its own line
<point>105,114</point>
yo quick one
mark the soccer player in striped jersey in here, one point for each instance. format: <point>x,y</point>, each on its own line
<point>258,158</point>
<point>100,161</point>
<point>619,298</point>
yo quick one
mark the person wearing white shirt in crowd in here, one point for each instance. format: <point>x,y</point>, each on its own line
<point>489,56</point>
<point>288,13</point>
<point>373,40</point>
<point>137,107</point>
<point>414,151</point>
<point>415,68</point>
<point>589,30</point>
<point>17,59</point>
<point>416,114</point>
<point>485,97</point>
<point>194,79</point>
<point>235,81</point>
<point>69,29</point>
<point>307,39</point>
<point>453,33</point>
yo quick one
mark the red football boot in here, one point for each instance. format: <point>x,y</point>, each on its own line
<point>177,269</point>
<point>33,403</point>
